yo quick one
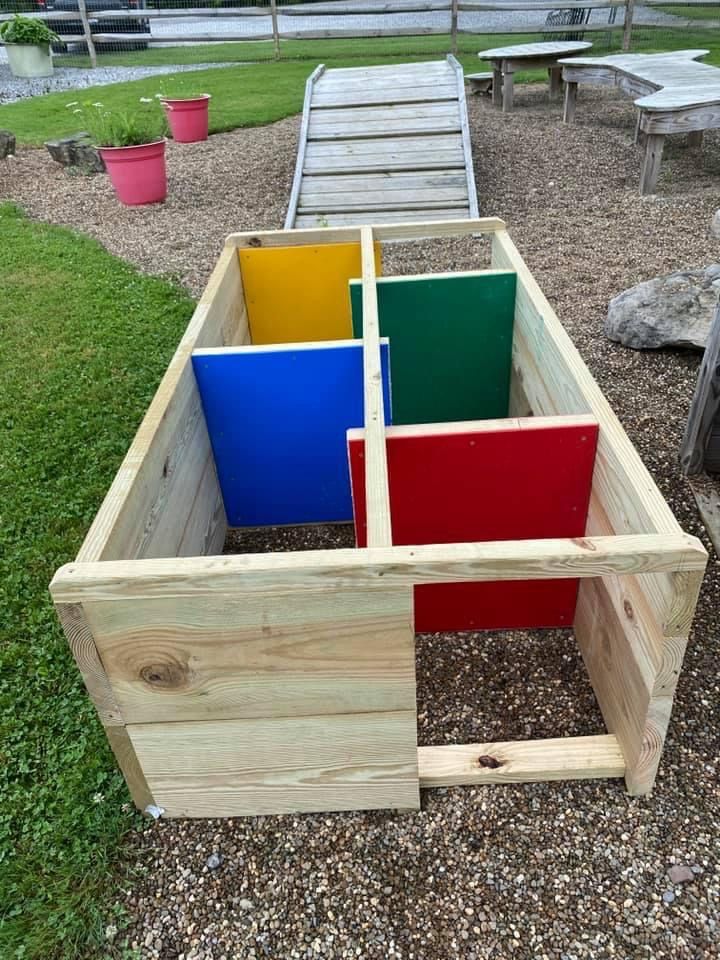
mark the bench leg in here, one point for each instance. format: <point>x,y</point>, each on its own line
<point>695,138</point>
<point>555,74</point>
<point>497,87</point>
<point>654,143</point>
<point>507,98</point>
<point>570,102</point>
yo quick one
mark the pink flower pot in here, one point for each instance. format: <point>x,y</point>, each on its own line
<point>137,173</point>
<point>188,119</point>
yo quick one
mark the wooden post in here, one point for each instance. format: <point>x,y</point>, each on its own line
<point>82,9</point>
<point>453,27</point>
<point>570,101</point>
<point>705,406</point>
<point>627,29</point>
<point>654,143</point>
<point>275,31</point>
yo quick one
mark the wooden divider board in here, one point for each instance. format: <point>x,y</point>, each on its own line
<point>296,294</point>
<point>451,343</point>
<point>277,418</point>
<point>505,480</point>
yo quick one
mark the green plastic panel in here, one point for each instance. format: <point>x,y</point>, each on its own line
<point>450,343</point>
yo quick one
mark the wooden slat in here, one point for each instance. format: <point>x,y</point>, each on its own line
<point>250,655</point>
<point>386,162</point>
<point>302,146</point>
<point>388,216</point>
<point>386,95</point>
<point>385,182</point>
<point>231,768</point>
<point>465,128</point>
<point>378,202</point>
<point>335,569</point>
<point>377,493</point>
<point>329,119</point>
<point>565,758</point>
<point>705,406</point>
<point>164,478</point>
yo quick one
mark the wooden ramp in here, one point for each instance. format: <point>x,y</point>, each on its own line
<point>383,144</point>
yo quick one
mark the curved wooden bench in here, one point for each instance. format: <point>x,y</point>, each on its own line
<point>676,94</point>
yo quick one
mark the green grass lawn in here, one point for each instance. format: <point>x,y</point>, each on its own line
<point>692,13</point>
<point>84,341</point>
<point>243,96</point>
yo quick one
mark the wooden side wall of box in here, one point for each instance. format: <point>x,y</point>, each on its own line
<point>632,631</point>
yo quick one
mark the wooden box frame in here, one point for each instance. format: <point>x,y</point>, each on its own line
<point>155,546</point>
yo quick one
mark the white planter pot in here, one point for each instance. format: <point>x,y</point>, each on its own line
<point>29,61</point>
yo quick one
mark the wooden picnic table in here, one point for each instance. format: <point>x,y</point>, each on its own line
<point>527,56</point>
<point>676,95</point>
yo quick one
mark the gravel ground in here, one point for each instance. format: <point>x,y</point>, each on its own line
<point>70,78</point>
<point>562,871</point>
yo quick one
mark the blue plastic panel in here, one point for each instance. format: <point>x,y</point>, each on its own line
<point>277,418</point>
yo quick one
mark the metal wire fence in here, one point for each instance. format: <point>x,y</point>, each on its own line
<point>137,32</point>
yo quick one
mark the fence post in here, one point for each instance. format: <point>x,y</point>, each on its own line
<point>628,25</point>
<point>82,8</point>
<point>453,26</point>
<point>275,31</point>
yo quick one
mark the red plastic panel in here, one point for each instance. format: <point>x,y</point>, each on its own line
<point>503,480</point>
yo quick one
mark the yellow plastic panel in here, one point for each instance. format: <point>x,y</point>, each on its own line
<point>297,294</point>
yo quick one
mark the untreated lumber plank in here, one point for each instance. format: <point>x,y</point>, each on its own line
<point>388,216</point>
<point>332,569</point>
<point>377,493</point>
<point>564,758</point>
<point>223,657</point>
<point>705,406</point>
<point>302,146</point>
<point>387,95</point>
<point>164,475</point>
<point>439,181</point>
<point>230,768</point>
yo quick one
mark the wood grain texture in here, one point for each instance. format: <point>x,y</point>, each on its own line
<point>231,768</point>
<point>563,758</point>
<point>376,493</point>
<point>221,656</point>
<point>392,566</point>
<point>556,381</point>
<point>82,644</point>
<point>164,475</point>
<point>302,145</point>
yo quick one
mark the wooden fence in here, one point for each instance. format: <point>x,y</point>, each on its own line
<point>91,34</point>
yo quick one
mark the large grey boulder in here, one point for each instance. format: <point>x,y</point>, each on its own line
<point>671,311</point>
<point>76,151</point>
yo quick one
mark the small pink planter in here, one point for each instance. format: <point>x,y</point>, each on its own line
<point>188,119</point>
<point>137,173</point>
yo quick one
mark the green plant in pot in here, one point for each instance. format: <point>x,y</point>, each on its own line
<point>27,43</point>
<point>132,145</point>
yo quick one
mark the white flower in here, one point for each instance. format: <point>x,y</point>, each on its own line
<point>159,96</point>
<point>98,797</point>
<point>73,103</point>
<point>110,931</point>
<point>145,99</point>
<point>77,110</point>
<point>97,104</point>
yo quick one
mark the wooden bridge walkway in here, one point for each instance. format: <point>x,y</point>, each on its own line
<point>383,144</point>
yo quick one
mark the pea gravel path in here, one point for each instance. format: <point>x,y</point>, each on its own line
<point>566,871</point>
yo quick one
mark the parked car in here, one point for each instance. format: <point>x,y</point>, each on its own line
<point>66,28</point>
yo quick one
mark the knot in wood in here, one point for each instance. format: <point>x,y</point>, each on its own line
<point>489,763</point>
<point>628,608</point>
<point>165,676</point>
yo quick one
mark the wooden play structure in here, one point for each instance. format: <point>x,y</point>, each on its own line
<point>676,95</point>
<point>451,420</point>
<point>383,144</point>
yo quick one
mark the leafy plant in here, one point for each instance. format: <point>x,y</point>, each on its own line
<point>122,128</point>
<point>24,30</point>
